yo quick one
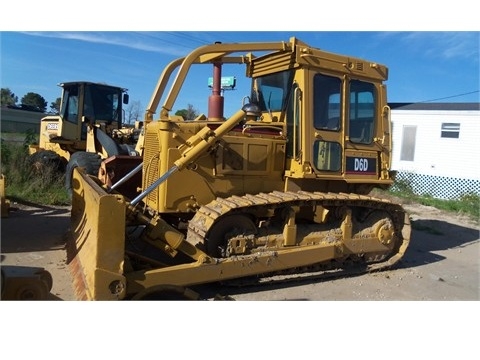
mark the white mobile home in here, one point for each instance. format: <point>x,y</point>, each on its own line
<point>436,148</point>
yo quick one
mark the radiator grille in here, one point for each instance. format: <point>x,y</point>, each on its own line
<point>150,165</point>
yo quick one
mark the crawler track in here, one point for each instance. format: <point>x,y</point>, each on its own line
<point>211,214</point>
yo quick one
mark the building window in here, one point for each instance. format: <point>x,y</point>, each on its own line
<point>407,152</point>
<point>450,130</point>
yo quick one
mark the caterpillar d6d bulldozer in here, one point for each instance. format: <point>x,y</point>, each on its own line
<point>87,130</point>
<point>281,185</point>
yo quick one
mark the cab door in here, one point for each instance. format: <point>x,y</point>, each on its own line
<point>344,113</point>
<point>327,114</point>
<point>71,113</point>
<point>361,153</point>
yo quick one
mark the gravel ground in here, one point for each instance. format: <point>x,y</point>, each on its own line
<point>413,309</point>
<point>441,263</point>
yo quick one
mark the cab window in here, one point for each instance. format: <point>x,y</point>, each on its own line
<point>327,155</point>
<point>271,92</point>
<point>362,112</point>
<point>326,102</point>
<point>70,104</point>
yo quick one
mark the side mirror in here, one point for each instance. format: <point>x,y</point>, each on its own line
<point>125,98</point>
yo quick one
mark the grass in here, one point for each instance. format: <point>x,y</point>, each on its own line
<point>24,183</point>
<point>467,204</point>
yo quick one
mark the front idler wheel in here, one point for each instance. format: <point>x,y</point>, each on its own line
<point>229,227</point>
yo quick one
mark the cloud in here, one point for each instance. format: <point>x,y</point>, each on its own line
<point>134,40</point>
<point>446,45</point>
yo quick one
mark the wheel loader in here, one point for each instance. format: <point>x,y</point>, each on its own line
<point>280,187</point>
<point>87,130</point>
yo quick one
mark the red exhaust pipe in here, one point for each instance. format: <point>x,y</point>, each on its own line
<point>215,101</point>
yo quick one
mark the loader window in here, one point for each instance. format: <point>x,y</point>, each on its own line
<point>362,112</point>
<point>103,103</point>
<point>70,104</point>
<point>326,102</point>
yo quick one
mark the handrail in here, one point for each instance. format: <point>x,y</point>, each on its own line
<point>204,54</point>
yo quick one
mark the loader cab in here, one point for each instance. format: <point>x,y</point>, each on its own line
<point>85,102</point>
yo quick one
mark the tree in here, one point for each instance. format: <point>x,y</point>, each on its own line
<point>132,112</point>
<point>8,98</point>
<point>34,102</point>
<point>55,106</point>
<point>188,114</point>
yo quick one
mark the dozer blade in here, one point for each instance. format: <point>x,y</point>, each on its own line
<point>95,248</point>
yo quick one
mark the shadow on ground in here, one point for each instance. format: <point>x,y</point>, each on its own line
<point>32,227</point>
<point>430,236</point>
<point>427,238</point>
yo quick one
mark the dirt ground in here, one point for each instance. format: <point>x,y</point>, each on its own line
<point>441,263</point>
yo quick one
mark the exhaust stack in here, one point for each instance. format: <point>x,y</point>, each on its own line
<point>215,101</point>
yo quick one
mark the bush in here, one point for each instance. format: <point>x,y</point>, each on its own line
<point>30,138</point>
<point>6,153</point>
<point>23,183</point>
<point>403,186</point>
<point>472,203</point>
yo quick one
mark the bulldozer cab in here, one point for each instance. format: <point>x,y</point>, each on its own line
<point>336,116</point>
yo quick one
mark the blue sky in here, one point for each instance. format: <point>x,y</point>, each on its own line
<point>423,66</point>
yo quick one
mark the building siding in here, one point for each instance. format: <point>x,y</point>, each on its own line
<point>441,167</point>
<point>19,121</point>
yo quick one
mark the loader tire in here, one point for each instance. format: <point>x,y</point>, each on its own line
<point>90,162</point>
<point>46,160</point>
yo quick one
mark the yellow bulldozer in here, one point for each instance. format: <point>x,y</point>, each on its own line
<point>87,130</point>
<point>281,186</point>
